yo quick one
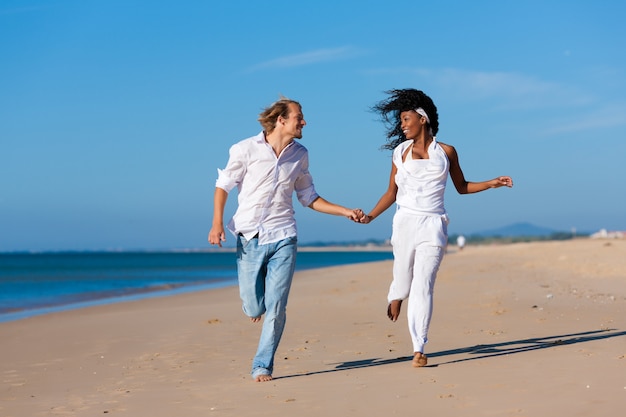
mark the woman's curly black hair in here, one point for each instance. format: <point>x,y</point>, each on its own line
<point>398,102</point>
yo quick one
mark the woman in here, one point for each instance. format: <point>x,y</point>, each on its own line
<point>419,172</point>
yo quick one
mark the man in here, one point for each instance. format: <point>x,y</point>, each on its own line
<point>267,169</point>
<point>460,242</point>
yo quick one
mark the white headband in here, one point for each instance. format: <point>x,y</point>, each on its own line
<point>421,111</point>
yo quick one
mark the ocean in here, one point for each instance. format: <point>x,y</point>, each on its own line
<point>40,283</point>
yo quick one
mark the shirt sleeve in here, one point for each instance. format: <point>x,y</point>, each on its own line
<point>305,190</point>
<point>232,176</point>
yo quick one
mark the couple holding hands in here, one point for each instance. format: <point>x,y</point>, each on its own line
<point>269,167</point>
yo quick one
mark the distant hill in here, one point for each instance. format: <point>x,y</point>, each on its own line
<point>516,230</point>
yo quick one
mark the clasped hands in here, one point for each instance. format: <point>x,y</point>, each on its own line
<point>358,216</point>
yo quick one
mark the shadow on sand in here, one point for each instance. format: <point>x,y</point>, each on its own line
<point>480,351</point>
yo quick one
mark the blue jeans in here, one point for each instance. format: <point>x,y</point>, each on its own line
<point>265,274</point>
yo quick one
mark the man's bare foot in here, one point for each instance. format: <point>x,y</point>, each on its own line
<point>419,360</point>
<point>263,378</point>
<point>393,310</point>
<point>255,319</point>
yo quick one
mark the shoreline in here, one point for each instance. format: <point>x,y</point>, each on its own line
<point>139,294</point>
<point>518,330</point>
<point>73,301</point>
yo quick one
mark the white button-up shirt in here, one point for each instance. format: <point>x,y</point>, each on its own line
<point>266,184</point>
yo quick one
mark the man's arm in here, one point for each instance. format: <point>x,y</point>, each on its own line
<point>217,235</point>
<point>323,206</point>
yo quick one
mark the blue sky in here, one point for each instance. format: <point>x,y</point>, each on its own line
<point>115,115</point>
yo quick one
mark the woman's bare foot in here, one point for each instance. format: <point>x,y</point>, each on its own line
<point>263,378</point>
<point>419,360</point>
<point>393,310</point>
<point>255,319</point>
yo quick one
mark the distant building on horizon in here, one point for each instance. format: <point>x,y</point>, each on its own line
<point>605,234</point>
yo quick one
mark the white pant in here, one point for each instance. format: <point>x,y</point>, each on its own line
<point>416,262</point>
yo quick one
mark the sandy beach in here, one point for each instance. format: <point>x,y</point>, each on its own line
<point>527,329</point>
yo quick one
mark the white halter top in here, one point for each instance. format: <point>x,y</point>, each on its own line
<point>422,182</point>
